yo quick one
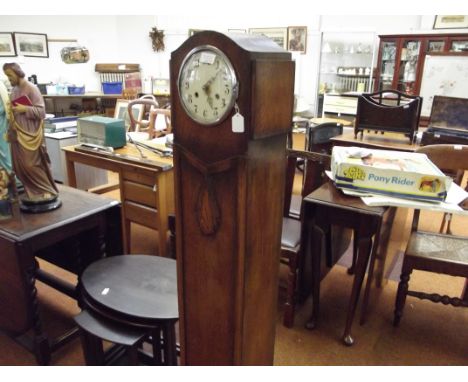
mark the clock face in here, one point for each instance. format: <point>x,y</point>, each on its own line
<point>207,85</point>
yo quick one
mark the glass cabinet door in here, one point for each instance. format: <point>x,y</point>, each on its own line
<point>435,46</point>
<point>408,66</point>
<point>387,68</point>
<point>458,46</point>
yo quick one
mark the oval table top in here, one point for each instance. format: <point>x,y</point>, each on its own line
<point>139,286</point>
<point>320,120</point>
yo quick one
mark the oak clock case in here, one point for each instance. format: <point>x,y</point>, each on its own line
<point>229,186</point>
<point>207,85</point>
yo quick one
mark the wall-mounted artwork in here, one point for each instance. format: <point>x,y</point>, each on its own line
<point>450,21</point>
<point>191,32</point>
<point>31,44</point>
<point>7,45</point>
<point>297,39</point>
<point>74,55</point>
<point>278,35</point>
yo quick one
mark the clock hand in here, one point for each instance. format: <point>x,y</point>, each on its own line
<point>208,83</point>
<point>210,101</point>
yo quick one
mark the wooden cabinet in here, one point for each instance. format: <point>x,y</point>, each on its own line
<point>401,58</point>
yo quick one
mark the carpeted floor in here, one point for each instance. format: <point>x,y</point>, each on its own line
<point>429,334</point>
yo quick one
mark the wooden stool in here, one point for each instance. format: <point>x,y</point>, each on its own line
<point>93,330</point>
<point>138,291</point>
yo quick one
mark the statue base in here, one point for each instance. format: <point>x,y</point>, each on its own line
<point>35,207</point>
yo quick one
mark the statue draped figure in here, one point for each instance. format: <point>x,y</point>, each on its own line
<point>28,151</point>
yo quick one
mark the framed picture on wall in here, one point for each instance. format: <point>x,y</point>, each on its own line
<point>31,44</point>
<point>121,111</point>
<point>297,39</point>
<point>278,35</point>
<point>7,45</point>
<point>450,21</point>
<point>237,31</point>
<point>191,32</point>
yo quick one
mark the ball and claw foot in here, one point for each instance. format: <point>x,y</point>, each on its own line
<point>348,340</point>
<point>311,324</point>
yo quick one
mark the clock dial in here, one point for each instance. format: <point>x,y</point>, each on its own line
<point>207,85</point>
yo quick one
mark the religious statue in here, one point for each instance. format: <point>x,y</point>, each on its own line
<point>28,151</point>
<point>6,176</point>
<point>5,155</point>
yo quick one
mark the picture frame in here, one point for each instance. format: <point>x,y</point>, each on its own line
<point>450,21</point>
<point>278,35</point>
<point>7,45</point>
<point>31,44</point>
<point>121,111</point>
<point>191,32</point>
<point>297,39</point>
<point>237,31</point>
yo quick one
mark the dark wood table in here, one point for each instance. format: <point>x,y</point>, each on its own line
<point>328,206</point>
<point>85,228</point>
<point>136,290</point>
<point>387,141</point>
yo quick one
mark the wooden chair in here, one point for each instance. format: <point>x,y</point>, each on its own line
<point>291,237</point>
<point>149,125</point>
<point>143,124</point>
<point>318,141</point>
<point>166,115</point>
<point>435,252</point>
<point>318,136</point>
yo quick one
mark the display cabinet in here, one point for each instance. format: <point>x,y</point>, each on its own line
<point>401,58</point>
<point>346,62</point>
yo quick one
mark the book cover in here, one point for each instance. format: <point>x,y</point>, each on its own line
<point>23,100</point>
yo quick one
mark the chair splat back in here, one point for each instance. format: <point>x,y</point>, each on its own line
<point>313,177</point>
<point>291,235</point>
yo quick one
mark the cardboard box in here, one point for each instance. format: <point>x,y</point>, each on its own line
<point>394,173</point>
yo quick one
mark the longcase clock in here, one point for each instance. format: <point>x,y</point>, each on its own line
<point>232,101</point>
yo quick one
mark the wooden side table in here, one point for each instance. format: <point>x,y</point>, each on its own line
<point>138,291</point>
<point>327,206</point>
<point>87,224</point>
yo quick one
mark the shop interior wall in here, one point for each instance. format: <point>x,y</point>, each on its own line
<point>125,39</point>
